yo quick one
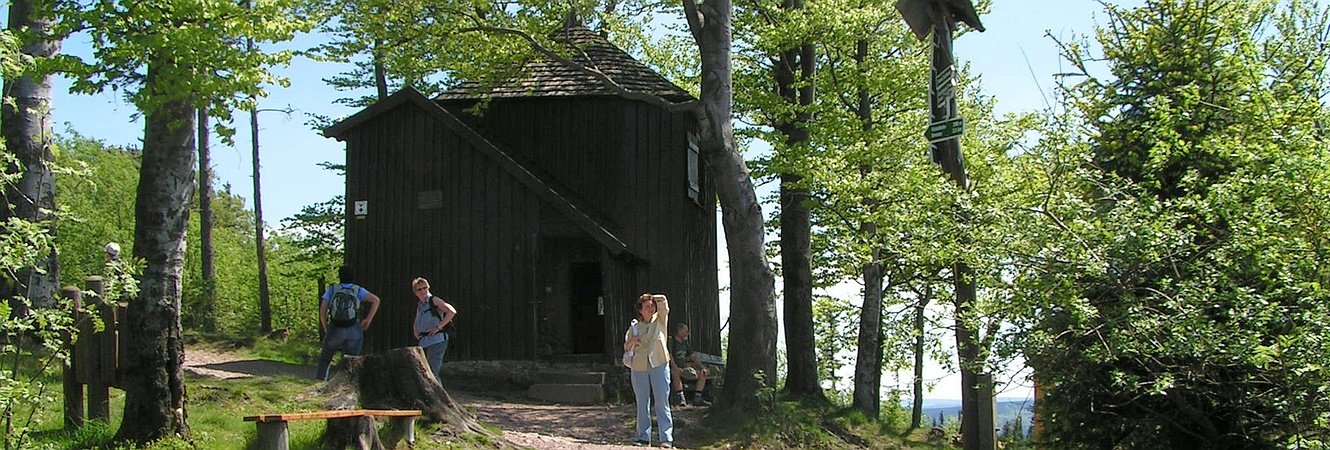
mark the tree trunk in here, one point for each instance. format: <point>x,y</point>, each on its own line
<point>265,303</point>
<point>752,297</point>
<point>795,219</point>
<point>917,404</point>
<point>152,372</point>
<point>867,396</point>
<point>947,154</point>
<point>797,275</point>
<point>209,320</point>
<point>380,73</point>
<point>27,131</point>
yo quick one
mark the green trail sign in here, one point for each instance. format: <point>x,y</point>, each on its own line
<point>946,129</point>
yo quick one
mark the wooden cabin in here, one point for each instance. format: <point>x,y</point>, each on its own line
<point>542,218</point>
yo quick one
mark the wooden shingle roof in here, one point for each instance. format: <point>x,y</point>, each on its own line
<point>546,77</point>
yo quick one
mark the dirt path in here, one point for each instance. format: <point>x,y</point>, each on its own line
<point>524,422</point>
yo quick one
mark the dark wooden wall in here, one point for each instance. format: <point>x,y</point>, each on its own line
<point>628,160</point>
<point>476,248</point>
<point>488,248</point>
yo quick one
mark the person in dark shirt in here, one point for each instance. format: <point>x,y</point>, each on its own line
<point>684,361</point>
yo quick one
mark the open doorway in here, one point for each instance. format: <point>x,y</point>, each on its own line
<point>586,315</point>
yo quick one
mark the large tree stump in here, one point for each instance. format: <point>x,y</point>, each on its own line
<point>398,379</point>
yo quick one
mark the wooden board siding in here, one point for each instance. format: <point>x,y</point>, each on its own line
<point>569,140</point>
<point>468,249</point>
<point>491,244</point>
<point>628,161</point>
<point>679,234</point>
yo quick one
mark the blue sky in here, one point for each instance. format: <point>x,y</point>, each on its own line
<point>1014,59</point>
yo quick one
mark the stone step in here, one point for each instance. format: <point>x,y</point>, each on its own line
<point>575,394</point>
<point>572,378</point>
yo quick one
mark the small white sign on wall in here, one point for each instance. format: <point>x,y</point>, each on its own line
<point>362,207</point>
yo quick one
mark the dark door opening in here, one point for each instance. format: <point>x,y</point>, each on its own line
<point>586,315</point>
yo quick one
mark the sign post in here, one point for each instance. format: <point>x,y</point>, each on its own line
<point>945,128</point>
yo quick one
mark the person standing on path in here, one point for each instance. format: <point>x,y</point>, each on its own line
<point>339,316</point>
<point>432,329</point>
<point>650,364</point>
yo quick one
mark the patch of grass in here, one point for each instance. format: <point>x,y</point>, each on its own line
<point>216,409</point>
<point>800,424</point>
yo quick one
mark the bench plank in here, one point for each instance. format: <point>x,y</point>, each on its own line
<point>336,414</point>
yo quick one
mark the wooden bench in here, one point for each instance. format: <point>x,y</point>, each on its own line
<point>273,434</point>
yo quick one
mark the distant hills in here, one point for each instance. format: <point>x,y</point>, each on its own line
<point>938,412</point>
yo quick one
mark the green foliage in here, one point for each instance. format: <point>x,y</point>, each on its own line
<point>199,39</point>
<point>314,237</point>
<point>835,332</point>
<point>1177,294</point>
<point>96,212</point>
<point>96,206</point>
<point>33,342</point>
<point>31,357</point>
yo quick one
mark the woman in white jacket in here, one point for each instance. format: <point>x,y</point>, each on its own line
<point>650,364</point>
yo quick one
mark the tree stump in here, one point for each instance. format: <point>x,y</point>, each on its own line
<point>360,433</point>
<point>398,379</point>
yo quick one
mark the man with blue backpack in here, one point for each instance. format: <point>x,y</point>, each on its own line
<point>339,315</point>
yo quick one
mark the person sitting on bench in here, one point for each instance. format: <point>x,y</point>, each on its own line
<point>686,362</point>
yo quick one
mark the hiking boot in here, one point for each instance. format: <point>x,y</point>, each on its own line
<point>699,401</point>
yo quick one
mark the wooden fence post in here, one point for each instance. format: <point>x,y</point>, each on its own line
<point>99,391</point>
<point>73,389</point>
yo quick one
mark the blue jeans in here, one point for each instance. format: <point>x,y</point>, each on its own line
<point>653,384</point>
<point>434,356</point>
<point>344,339</point>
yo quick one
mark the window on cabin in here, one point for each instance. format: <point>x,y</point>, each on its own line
<point>694,174</point>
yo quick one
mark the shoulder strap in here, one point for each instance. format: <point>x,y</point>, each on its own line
<point>434,309</point>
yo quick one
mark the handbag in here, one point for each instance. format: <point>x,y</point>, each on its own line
<point>628,355</point>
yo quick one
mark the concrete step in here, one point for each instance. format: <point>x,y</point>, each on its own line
<point>574,394</point>
<point>572,378</point>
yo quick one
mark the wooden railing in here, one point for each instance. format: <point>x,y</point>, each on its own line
<point>95,355</point>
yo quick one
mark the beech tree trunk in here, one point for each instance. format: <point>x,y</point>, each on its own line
<point>796,218</point>
<point>867,396</point>
<point>752,337</point>
<point>152,372</point>
<point>27,131</point>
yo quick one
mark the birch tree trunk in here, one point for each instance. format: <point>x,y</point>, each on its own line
<point>27,131</point>
<point>152,372</point>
